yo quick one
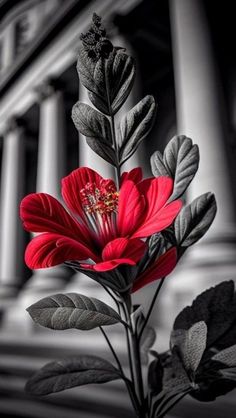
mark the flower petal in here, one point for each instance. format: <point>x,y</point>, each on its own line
<point>41,212</point>
<point>159,215</point>
<point>112,264</point>
<point>160,268</point>
<point>131,208</point>
<point>124,247</point>
<point>48,250</point>
<point>74,183</point>
<point>135,175</point>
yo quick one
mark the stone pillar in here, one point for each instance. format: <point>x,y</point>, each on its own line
<point>201,117</point>
<point>50,170</point>
<point>12,184</point>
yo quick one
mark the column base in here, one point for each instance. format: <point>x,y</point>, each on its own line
<point>43,282</point>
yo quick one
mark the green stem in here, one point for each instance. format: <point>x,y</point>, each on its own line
<point>151,307</point>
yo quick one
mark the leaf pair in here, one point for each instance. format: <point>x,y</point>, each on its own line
<point>134,127</point>
<point>109,81</point>
<point>180,162</point>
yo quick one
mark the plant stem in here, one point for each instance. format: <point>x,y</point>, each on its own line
<point>113,131</point>
<point>129,384</point>
<point>151,307</point>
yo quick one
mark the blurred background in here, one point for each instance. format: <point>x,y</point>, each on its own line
<point>185,52</point>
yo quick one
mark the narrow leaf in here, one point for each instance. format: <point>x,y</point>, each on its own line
<point>68,373</point>
<point>181,158</point>
<point>72,310</point>
<point>195,219</point>
<point>135,126</point>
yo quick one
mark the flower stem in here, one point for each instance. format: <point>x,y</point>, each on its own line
<point>113,131</point>
<point>128,383</point>
<point>151,307</point>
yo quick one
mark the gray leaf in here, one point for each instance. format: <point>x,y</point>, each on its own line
<point>96,127</point>
<point>85,68</point>
<point>227,356</point>
<point>157,165</point>
<point>147,340</point>
<point>191,344</point>
<point>194,220</point>
<point>181,159</point>
<point>68,373</point>
<point>229,374</point>
<point>72,310</point>
<point>91,123</point>
<point>121,74</point>
<point>135,126</point>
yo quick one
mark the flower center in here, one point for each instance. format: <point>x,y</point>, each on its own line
<point>101,200</point>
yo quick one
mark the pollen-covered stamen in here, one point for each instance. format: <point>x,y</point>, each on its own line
<point>100,205</point>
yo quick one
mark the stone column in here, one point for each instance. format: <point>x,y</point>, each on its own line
<point>200,115</point>
<point>12,184</point>
<point>50,170</point>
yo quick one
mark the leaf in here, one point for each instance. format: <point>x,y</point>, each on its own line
<point>191,344</point>
<point>109,81</point>
<point>155,375</point>
<point>135,126</point>
<point>121,75</point>
<point>91,123</point>
<point>157,165</point>
<point>195,219</point>
<point>147,340</point>
<point>96,127</point>
<point>68,373</point>
<point>72,310</point>
<point>181,158</point>
<point>227,356</point>
<point>217,308</point>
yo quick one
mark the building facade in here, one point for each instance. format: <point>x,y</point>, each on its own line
<point>185,60</point>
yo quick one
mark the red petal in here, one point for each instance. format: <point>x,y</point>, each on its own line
<point>130,208</point>
<point>72,185</point>
<point>135,175</point>
<point>110,265</point>
<point>161,268</point>
<point>124,248</point>
<point>41,212</point>
<point>158,216</point>
<point>160,221</point>
<point>47,250</point>
<point>120,251</point>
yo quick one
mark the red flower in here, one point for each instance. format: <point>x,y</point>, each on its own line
<point>105,226</point>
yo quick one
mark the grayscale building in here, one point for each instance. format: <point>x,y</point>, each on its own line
<point>185,58</point>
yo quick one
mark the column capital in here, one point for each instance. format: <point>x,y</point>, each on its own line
<point>14,123</point>
<point>48,87</point>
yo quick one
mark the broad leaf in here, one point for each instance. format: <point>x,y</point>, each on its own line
<point>227,356</point>
<point>69,373</point>
<point>217,308</point>
<point>195,219</point>
<point>91,123</point>
<point>191,344</point>
<point>72,310</point>
<point>181,158</point>
<point>135,126</point>
<point>158,166</point>
<point>96,127</point>
<point>85,68</point>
